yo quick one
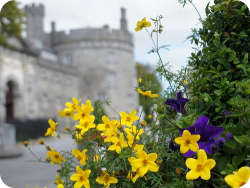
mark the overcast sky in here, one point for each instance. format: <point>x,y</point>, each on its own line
<point>177,22</point>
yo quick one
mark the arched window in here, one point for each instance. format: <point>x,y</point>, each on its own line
<point>10,100</point>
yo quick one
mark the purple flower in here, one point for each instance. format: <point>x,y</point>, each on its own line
<point>173,147</point>
<point>178,104</point>
<point>226,112</point>
<point>228,136</point>
<point>220,142</point>
<point>207,133</point>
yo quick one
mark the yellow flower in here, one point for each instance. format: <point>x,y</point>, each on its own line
<point>71,107</point>
<point>141,24</point>
<point>200,167</point>
<point>139,80</point>
<point>66,128</point>
<point>184,82</point>
<point>25,143</point>
<point>55,157</point>
<point>51,131</point>
<point>147,93</point>
<point>107,125</point>
<point>128,119</point>
<point>84,126</point>
<point>81,156</point>
<point>106,179</point>
<point>118,143</point>
<point>150,116</point>
<point>81,178</point>
<point>83,112</point>
<point>144,163</point>
<point>58,181</point>
<point>64,113</point>
<point>177,170</point>
<point>96,158</point>
<point>60,186</point>
<point>239,178</point>
<point>133,144</point>
<point>144,123</point>
<point>188,142</point>
<point>133,130</point>
<point>41,142</point>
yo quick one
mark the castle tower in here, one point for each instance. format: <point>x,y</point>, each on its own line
<point>123,20</point>
<point>34,15</point>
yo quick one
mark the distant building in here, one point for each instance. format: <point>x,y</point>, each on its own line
<point>46,70</point>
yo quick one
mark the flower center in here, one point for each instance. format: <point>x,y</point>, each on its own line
<point>107,126</point>
<point>79,157</point>
<point>83,115</point>
<point>128,119</point>
<point>86,124</point>
<point>106,178</point>
<point>81,178</point>
<point>199,167</point>
<point>242,183</point>
<point>118,144</point>
<point>145,162</point>
<point>56,156</point>
<point>188,142</point>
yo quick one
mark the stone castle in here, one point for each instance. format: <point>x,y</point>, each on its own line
<point>45,70</point>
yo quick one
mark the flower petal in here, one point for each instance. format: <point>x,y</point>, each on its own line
<point>202,156</point>
<point>192,175</point>
<point>205,174</point>
<point>210,164</point>
<point>191,163</point>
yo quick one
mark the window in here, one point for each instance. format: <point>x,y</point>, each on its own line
<point>111,57</point>
<point>68,59</point>
<point>112,80</point>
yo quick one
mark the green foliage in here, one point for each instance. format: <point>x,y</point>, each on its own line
<point>11,21</point>
<point>149,82</point>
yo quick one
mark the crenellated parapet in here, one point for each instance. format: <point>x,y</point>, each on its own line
<point>35,10</point>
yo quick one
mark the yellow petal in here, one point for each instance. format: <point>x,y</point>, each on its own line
<point>210,164</point>
<point>152,166</point>
<point>202,156</point>
<point>152,156</point>
<point>184,148</point>
<point>179,140</point>
<point>244,173</point>
<point>191,163</point>
<point>194,146</point>
<point>186,134</point>
<point>143,170</point>
<point>205,173</point>
<point>234,180</point>
<point>192,175</point>
<point>147,24</point>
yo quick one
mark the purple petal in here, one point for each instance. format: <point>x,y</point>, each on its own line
<point>190,129</point>
<point>189,153</point>
<point>211,131</point>
<point>171,101</point>
<point>228,136</point>
<point>207,146</point>
<point>220,142</point>
<point>201,122</point>
<point>179,95</point>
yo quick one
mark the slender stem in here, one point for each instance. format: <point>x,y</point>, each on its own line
<point>157,51</point>
<point>34,154</point>
<point>195,8</point>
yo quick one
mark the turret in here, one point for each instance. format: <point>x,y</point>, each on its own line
<point>34,15</point>
<point>123,20</point>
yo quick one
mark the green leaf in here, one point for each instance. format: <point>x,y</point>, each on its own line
<point>244,140</point>
<point>237,159</point>
<point>222,162</point>
<point>216,43</point>
<point>218,92</point>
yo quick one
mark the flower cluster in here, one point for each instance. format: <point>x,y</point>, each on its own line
<point>178,146</point>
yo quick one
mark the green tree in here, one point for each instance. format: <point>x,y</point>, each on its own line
<point>149,82</point>
<point>11,21</point>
